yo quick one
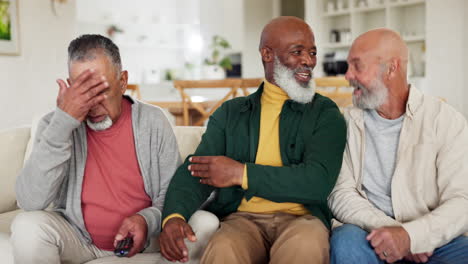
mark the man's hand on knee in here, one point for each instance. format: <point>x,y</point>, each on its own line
<point>172,238</point>
<point>134,226</point>
<point>390,243</point>
<point>419,258</point>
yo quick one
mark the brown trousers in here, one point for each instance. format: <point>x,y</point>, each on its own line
<point>268,238</point>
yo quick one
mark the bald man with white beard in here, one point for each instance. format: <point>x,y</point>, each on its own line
<point>273,157</point>
<point>402,192</point>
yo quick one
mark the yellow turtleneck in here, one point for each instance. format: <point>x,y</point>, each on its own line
<point>268,152</point>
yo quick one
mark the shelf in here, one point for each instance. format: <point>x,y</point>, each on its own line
<point>369,9</point>
<point>415,38</point>
<point>337,45</point>
<point>405,16</point>
<point>337,13</point>
<point>406,3</point>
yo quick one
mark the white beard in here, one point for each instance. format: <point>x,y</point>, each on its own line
<point>284,78</point>
<point>371,98</point>
<point>101,125</point>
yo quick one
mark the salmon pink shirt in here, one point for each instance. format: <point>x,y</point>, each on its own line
<point>113,187</point>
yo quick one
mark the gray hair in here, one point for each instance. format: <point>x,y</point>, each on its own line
<point>87,47</point>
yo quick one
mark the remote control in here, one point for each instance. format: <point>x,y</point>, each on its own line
<point>123,247</point>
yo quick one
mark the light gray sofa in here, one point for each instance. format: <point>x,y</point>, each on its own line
<point>15,147</point>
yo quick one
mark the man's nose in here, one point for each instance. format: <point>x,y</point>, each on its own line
<point>349,75</point>
<point>308,61</point>
<point>94,110</point>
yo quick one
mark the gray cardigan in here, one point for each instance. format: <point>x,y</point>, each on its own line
<point>54,171</point>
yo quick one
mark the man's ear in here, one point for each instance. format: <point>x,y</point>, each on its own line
<point>267,54</point>
<point>123,81</point>
<point>393,68</point>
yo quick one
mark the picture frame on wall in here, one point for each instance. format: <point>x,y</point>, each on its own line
<point>9,28</point>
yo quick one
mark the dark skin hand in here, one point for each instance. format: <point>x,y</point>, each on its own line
<point>134,226</point>
<point>82,95</point>
<point>172,238</point>
<point>217,171</point>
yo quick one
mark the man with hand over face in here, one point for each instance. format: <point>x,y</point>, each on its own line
<point>273,157</point>
<point>101,159</point>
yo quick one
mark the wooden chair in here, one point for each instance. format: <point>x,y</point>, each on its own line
<point>250,83</point>
<point>335,88</point>
<point>233,84</point>
<point>134,90</point>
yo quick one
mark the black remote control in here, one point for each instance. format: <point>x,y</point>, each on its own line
<point>123,247</point>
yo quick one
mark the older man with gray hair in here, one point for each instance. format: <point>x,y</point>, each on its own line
<point>402,192</point>
<point>101,159</point>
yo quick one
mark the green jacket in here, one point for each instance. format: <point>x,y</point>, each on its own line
<point>312,141</point>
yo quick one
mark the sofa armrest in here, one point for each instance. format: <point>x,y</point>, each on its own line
<point>13,144</point>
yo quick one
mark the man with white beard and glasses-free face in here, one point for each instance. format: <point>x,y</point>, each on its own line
<point>273,157</point>
<point>402,192</point>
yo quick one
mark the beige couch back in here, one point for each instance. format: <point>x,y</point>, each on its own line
<point>188,139</point>
<point>13,152</point>
<point>12,148</point>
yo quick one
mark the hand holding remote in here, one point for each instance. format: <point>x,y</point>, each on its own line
<point>135,227</point>
<point>123,247</point>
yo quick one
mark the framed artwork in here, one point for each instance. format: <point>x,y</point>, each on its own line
<point>9,28</point>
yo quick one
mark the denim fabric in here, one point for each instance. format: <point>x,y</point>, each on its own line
<point>349,245</point>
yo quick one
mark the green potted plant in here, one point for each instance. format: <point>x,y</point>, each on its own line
<point>216,65</point>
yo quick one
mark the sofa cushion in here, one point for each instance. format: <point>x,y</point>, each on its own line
<point>188,139</point>
<point>6,219</point>
<point>142,258</point>
<point>6,251</point>
<point>13,142</point>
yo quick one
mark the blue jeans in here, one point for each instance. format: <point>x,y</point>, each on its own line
<point>348,245</point>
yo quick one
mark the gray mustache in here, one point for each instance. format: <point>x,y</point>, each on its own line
<point>357,84</point>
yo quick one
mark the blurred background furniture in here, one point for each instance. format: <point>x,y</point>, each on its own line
<point>134,91</point>
<point>336,88</point>
<point>250,83</point>
<point>204,110</point>
<point>200,98</point>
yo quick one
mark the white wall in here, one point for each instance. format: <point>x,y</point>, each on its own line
<point>170,29</point>
<point>445,66</point>
<point>28,81</point>
<point>257,14</point>
<point>154,31</point>
<point>313,18</point>
<point>224,18</point>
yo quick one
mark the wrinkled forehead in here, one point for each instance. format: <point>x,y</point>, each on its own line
<point>362,51</point>
<point>101,64</point>
<point>302,36</point>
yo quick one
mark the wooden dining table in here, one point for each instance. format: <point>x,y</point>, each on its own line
<point>176,109</point>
